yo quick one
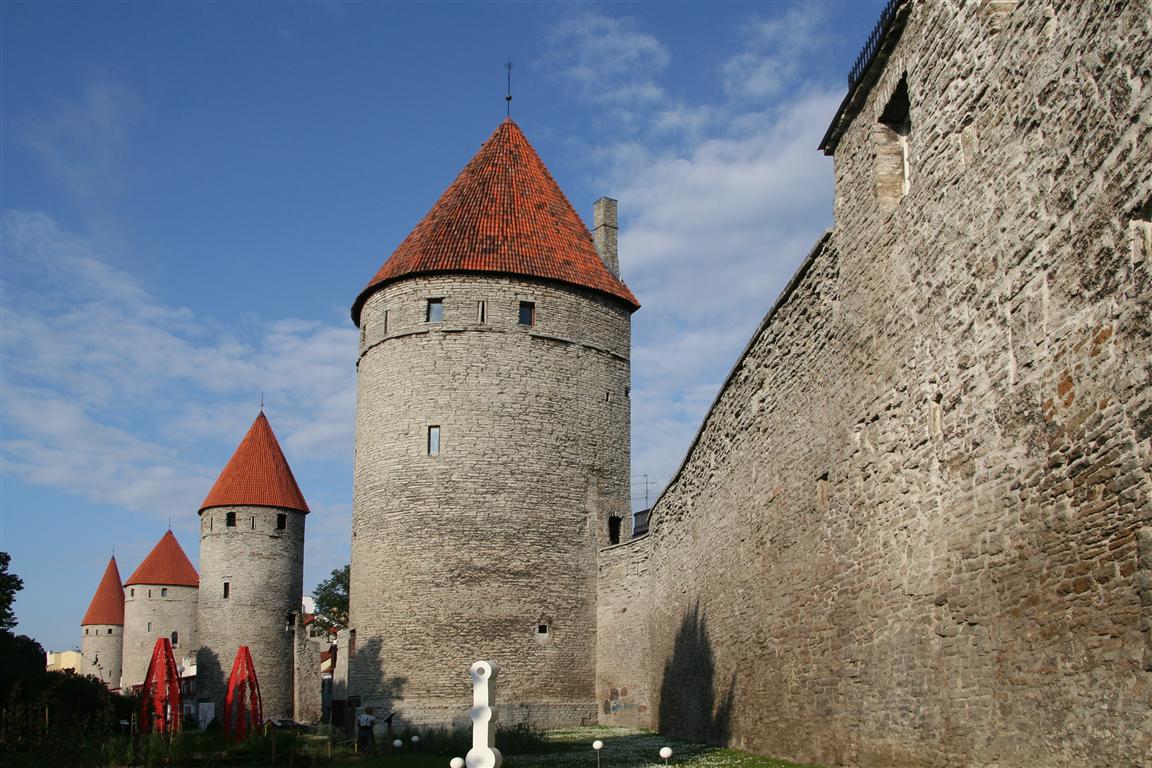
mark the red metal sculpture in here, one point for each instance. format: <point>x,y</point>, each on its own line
<point>160,695</point>
<point>242,702</point>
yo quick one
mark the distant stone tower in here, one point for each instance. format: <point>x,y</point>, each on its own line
<point>102,644</point>
<point>252,570</point>
<point>159,601</point>
<point>492,447</point>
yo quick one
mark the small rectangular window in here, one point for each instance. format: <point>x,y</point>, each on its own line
<point>435,313</point>
<point>175,638</point>
<point>109,630</point>
<point>149,626</point>
<point>230,519</point>
<point>132,593</point>
<point>163,591</point>
<point>281,521</point>
<point>481,311</point>
<point>227,590</point>
<point>527,313</point>
<point>85,630</point>
<point>433,441</point>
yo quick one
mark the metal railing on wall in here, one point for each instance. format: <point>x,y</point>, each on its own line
<point>873,43</point>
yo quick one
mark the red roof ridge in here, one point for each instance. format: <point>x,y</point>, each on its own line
<point>257,475</point>
<point>166,564</point>
<point>107,606</point>
<point>503,214</point>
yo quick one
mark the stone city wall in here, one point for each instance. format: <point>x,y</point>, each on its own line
<point>914,527</point>
<point>466,555</point>
<point>152,611</point>
<point>102,652</point>
<point>264,568</point>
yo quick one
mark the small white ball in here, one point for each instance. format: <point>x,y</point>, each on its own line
<point>398,743</point>
<point>456,762</point>
<point>415,739</point>
<point>597,745</point>
<point>665,752</point>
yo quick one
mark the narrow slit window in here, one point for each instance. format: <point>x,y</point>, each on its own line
<point>481,311</point>
<point>230,519</point>
<point>892,133</point>
<point>435,311</point>
<point>131,593</point>
<point>433,441</point>
<point>209,522</point>
<point>149,593</point>
<point>528,313</point>
<point>149,626</point>
<point>385,323</point>
<point>614,524</point>
<point>363,333</point>
<point>281,521</point>
<point>227,590</point>
<point>253,519</point>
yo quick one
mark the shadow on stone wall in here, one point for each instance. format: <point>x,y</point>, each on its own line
<point>688,708</point>
<point>210,680</point>
<point>372,688</point>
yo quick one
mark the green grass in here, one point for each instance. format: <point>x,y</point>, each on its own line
<point>623,748</point>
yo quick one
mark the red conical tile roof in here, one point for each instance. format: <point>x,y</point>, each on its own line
<point>257,475</point>
<point>166,564</point>
<point>107,606</point>
<point>504,213</point>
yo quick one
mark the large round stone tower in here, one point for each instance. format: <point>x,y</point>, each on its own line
<point>159,601</point>
<point>102,642</point>
<point>251,570</point>
<point>492,447</point>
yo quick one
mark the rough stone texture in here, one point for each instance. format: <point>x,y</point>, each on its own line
<point>169,609</point>
<point>101,652</point>
<point>264,567</point>
<point>461,556</point>
<point>623,652</point>
<point>914,528</point>
<point>308,702</point>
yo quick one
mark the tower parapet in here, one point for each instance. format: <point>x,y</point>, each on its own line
<point>159,601</point>
<point>102,642</point>
<point>252,570</point>
<point>492,441</point>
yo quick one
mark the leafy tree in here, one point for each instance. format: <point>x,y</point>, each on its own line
<point>331,596</point>
<point>10,584</point>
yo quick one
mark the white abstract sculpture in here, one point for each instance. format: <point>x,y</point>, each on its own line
<point>483,753</point>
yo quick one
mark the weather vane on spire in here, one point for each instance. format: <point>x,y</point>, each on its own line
<point>508,95</point>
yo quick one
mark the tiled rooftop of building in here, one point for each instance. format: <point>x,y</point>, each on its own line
<point>257,474</point>
<point>504,214</point>
<point>107,606</point>
<point>167,565</point>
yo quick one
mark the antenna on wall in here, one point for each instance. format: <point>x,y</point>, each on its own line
<point>508,94</point>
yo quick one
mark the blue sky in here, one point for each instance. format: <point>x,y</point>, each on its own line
<point>192,194</point>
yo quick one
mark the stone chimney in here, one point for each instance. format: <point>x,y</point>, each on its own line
<point>604,233</point>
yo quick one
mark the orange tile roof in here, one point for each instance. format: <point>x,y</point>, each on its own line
<point>257,475</point>
<point>166,564</point>
<point>504,213</point>
<point>107,606</point>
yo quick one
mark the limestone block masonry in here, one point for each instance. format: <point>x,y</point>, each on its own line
<point>152,611</point>
<point>101,652</point>
<point>263,567</point>
<point>909,531</point>
<point>487,549</point>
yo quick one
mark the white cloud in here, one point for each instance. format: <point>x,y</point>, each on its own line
<point>608,60</point>
<point>114,396</point>
<point>719,202</point>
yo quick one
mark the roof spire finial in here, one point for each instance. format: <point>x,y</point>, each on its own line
<point>261,401</point>
<point>169,521</point>
<point>508,95</point>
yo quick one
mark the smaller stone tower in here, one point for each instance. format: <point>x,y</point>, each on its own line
<point>159,601</point>
<point>252,560</point>
<point>102,644</point>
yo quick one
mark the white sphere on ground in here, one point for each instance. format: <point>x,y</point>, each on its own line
<point>597,745</point>
<point>415,739</point>
<point>398,743</point>
<point>665,752</point>
<point>456,762</point>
